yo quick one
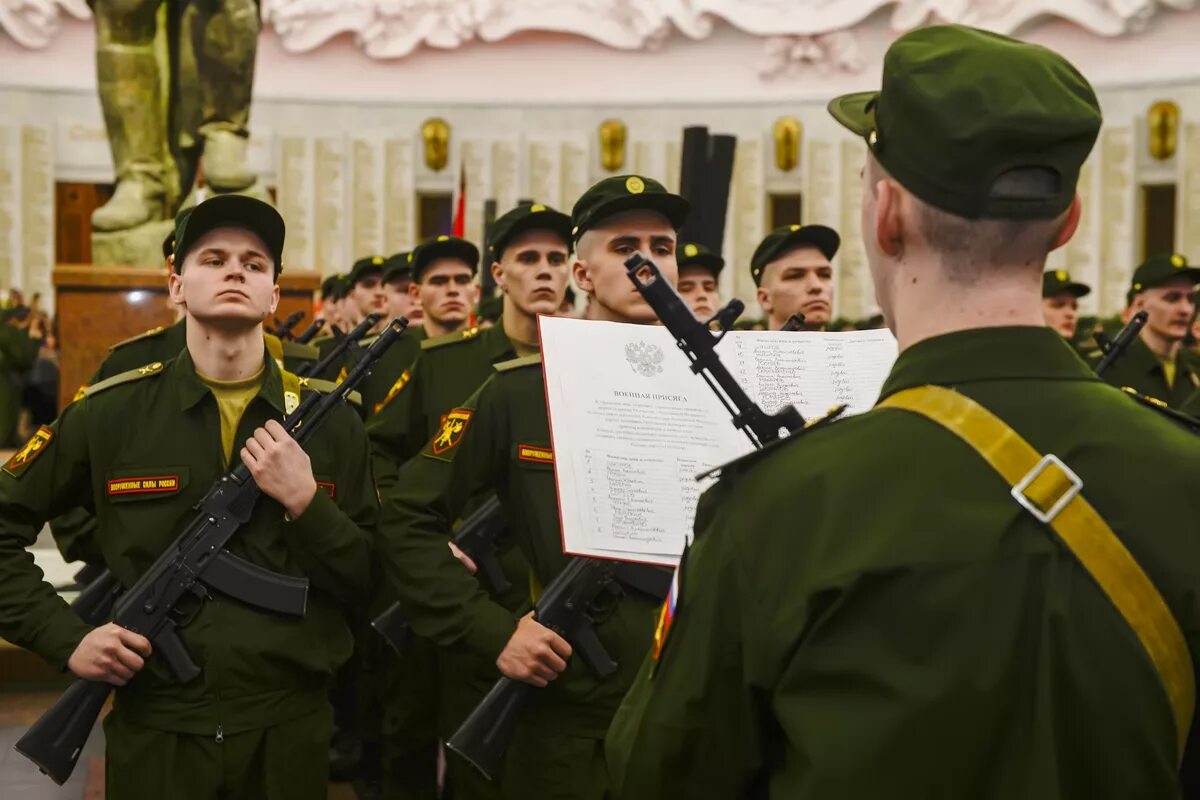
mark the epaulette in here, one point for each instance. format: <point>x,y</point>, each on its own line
<point>325,387</point>
<point>1186,420</point>
<point>122,377</point>
<point>150,334</point>
<point>517,363</point>
<point>833,415</point>
<point>450,338</point>
<point>297,350</point>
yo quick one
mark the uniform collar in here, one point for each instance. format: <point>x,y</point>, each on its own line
<point>191,389</point>
<point>499,347</point>
<point>987,354</point>
<point>1142,358</point>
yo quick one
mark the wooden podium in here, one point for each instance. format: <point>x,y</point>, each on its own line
<point>100,306</point>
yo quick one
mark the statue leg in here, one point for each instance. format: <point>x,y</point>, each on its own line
<point>131,97</point>
<point>225,41</point>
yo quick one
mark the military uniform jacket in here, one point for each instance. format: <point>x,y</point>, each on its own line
<point>499,439</point>
<point>139,455</point>
<point>866,611</point>
<point>1140,369</point>
<point>447,371</point>
<point>390,372</point>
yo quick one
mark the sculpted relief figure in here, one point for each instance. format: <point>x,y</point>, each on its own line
<point>164,114</point>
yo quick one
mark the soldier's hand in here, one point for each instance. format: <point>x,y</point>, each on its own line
<point>535,654</point>
<point>111,654</point>
<point>280,467</point>
<point>466,560</point>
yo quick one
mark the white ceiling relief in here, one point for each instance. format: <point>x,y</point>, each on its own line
<point>797,34</point>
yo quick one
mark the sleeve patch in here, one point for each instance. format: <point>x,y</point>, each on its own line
<point>450,432</point>
<point>328,487</point>
<point>400,383</point>
<point>29,451</point>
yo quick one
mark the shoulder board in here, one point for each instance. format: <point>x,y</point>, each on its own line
<point>450,338</point>
<point>325,387</point>
<point>1186,420</point>
<point>517,363</point>
<point>833,415</point>
<point>297,350</point>
<point>123,377</point>
<point>150,334</point>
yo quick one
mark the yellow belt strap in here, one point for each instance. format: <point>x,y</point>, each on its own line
<point>1049,490</point>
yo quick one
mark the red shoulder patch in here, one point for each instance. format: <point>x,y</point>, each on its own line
<point>451,431</point>
<point>29,451</point>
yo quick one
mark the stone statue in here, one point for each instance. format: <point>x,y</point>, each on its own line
<point>176,115</point>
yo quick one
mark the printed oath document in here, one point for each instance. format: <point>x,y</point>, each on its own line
<point>632,426</point>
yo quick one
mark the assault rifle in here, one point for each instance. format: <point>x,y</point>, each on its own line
<point>283,330</point>
<point>310,332</point>
<point>1113,349</point>
<point>95,603</point>
<point>794,323</point>
<point>195,564</point>
<point>344,344</point>
<point>564,607</point>
<point>476,537</point>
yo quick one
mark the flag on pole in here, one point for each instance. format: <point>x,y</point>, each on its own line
<point>459,226</point>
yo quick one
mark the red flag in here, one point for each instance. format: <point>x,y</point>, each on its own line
<point>459,226</point>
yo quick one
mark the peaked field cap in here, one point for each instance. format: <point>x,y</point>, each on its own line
<point>789,237</point>
<point>431,250</point>
<point>626,193</point>
<point>961,108</point>
<point>527,217</point>
<point>230,210</point>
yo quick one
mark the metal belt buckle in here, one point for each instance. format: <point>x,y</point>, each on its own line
<point>1018,491</point>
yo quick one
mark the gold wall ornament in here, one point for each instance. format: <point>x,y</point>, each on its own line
<point>612,144</point>
<point>788,134</point>
<point>1162,121</point>
<point>435,132</point>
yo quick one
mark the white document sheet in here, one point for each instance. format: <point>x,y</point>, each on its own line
<point>632,426</point>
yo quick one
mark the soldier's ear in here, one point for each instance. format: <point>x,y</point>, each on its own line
<point>583,276</point>
<point>175,287</point>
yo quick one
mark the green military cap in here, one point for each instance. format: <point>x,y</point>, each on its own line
<point>332,286</point>
<point>397,266</point>
<point>625,193</point>
<point>1160,269</point>
<point>1057,281</point>
<point>364,268</point>
<point>960,108</point>
<point>526,217</point>
<point>789,237</point>
<point>168,244</point>
<point>693,254</point>
<point>431,250</point>
<point>230,210</point>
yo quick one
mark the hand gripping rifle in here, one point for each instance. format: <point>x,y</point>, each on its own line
<point>1113,349</point>
<point>195,564</point>
<point>95,603</point>
<point>310,332</point>
<point>343,345</point>
<point>476,537</point>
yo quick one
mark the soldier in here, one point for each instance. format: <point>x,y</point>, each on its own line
<point>1157,364</point>
<point>498,440</point>
<point>791,269</point>
<point>390,373</point>
<point>878,650</point>
<point>365,293</point>
<point>256,723</point>
<point>1060,302</point>
<point>443,271</point>
<point>699,271</point>
<point>332,289</point>
<point>529,253</point>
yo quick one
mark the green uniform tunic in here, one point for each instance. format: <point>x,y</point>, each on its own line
<point>1140,369</point>
<point>17,354</point>
<point>557,749</point>
<point>258,670</point>
<point>866,612</point>
<point>450,368</point>
<point>387,376</point>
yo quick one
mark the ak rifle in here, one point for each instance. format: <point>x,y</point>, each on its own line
<point>310,332</point>
<point>94,604</point>
<point>195,564</point>
<point>283,330</point>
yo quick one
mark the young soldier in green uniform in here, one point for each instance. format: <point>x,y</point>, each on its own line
<point>941,640</point>
<point>699,271</point>
<point>1060,302</point>
<point>443,272</point>
<point>1157,364</point>
<point>498,440</point>
<point>791,268</point>
<point>389,373</point>
<point>397,283</point>
<point>529,254</point>
<point>255,724</point>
